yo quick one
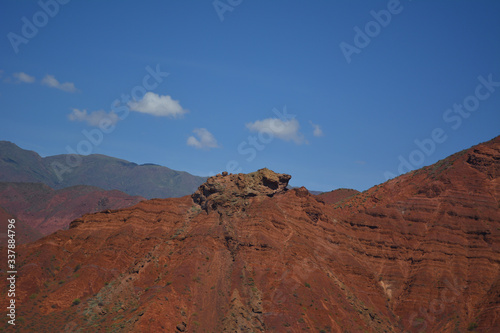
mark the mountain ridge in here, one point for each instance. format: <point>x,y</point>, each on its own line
<point>245,254</point>
<point>109,173</point>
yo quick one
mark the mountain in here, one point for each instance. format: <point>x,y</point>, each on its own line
<point>337,195</point>
<point>19,165</point>
<point>109,173</point>
<point>418,253</point>
<point>24,232</point>
<point>45,210</point>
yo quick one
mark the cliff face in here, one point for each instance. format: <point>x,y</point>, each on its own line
<point>243,254</point>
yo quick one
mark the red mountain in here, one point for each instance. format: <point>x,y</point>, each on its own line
<point>419,253</point>
<point>337,195</point>
<point>24,232</point>
<point>37,207</point>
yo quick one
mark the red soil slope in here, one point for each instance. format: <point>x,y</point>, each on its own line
<point>24,233</point>
<point>337,195</point>
<point>417,253</point>
<point>46,210</point>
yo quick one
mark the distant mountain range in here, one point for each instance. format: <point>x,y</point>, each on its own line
<point>109,173</point>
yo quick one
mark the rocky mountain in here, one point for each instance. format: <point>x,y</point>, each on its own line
<point>37,207</point>
<point>418,253</point>
<point>337,195</point>
<point>109,173</point>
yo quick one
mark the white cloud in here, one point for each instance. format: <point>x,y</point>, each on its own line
<point>287,130</point>
<point>94,118</point>
<point>23,77</point>
<point>156,105</point>
<point>205,139</point>
<point>51,81</point>
<point>317,131</point>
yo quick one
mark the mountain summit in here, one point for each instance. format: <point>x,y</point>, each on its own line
<point>420,252</point>
<point>226,190</point>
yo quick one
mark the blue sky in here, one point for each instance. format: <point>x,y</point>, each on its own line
<point>335,93</point>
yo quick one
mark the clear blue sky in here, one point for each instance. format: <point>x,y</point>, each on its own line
<point>354,107</point>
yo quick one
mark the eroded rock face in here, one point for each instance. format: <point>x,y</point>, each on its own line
<point>226,190</point>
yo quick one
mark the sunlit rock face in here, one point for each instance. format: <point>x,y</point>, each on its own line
<point>227,189</point>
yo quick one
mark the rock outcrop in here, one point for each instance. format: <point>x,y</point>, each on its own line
<point>226,190</point>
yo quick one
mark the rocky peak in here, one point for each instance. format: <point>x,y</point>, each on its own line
<point>227,189</point>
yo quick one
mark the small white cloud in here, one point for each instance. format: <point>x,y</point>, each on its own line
<point>205,139</point>
<point>317,131</point>
<point>156,105</point>
<point>94,118</point>
<point>51,81</point>
<point>23,77</point>
<point>287,130</point>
